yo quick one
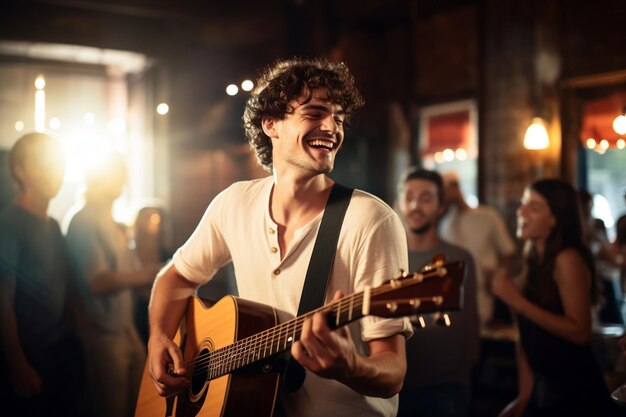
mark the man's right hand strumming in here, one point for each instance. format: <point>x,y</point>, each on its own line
<point>166,366</point>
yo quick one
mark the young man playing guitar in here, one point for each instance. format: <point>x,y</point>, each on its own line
<point>294,121</point>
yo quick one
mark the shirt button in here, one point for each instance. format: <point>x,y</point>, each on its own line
<point>277,271</point>
<point>273,249</point>
<point>271,231</point>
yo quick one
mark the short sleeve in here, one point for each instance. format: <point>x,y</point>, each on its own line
<point>206,250</point>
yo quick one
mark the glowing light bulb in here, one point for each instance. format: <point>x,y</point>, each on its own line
<point>604,144</point>
<point>536,136</point>
<point>619,124</point>
<point>232,89</point>
<point>247,85</point>
<point>54,123</point>
<point>40,82</point>
<point>163,109</point>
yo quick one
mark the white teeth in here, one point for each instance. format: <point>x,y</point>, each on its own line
<point>324,143</point>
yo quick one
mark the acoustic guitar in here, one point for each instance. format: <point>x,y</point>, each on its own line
<point>232,348</point>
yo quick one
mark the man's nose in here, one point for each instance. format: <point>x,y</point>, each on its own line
<point>330,125</point>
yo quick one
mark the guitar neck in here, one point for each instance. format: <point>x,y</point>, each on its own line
<point>434,289</point>
<point>278,339</point>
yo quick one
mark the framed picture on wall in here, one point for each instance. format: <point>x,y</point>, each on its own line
<point>448,141</point>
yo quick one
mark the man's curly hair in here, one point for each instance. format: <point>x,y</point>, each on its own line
<point>288,80</point>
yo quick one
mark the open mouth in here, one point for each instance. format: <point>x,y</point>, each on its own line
<point>327,145</point>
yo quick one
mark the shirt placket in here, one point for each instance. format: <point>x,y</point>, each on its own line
<point>272,238</point>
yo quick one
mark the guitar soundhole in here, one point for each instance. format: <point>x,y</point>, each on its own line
<point>200,372</point>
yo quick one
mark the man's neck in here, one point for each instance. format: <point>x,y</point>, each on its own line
<point>36,205</point>
<point>298,195</point>
<point>294,202</point>
<point>99,202</point>
<point>423,241</point>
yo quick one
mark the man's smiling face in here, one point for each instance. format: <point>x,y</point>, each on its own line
<point>310,136</point>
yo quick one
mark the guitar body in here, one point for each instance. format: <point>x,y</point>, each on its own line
<point>245,392</point>
<point>232,349</point>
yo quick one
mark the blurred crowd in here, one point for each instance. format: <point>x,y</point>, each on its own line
<point>74,299</point>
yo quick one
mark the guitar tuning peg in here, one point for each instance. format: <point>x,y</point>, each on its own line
<point>438,300</point>
<point>418,322</point>
<point>419,277</point>
<point>438,259</point>
<point>442,319</point>
<point>403,273</point>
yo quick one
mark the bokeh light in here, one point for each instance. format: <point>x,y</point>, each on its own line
<point>247,85</point>
<point>232,89</point>
<point>163,109</point>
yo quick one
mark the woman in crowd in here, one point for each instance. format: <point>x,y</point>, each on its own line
<point>558,374</point>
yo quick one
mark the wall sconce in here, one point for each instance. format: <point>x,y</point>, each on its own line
<point>536,136</point>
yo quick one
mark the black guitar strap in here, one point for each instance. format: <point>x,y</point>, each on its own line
<point>320,265</point>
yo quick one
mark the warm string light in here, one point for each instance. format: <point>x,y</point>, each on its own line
<point>449,155</point>
<point>619,124</point>
<point>233,89</point>
<point>603,145</point>
<point>163,109</point>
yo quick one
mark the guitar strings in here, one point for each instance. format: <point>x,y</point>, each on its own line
<point>250,347</point>
<point>248,350</point>
<point>240,350</point>
<point>244,355</point>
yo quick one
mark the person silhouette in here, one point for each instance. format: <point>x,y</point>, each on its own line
<point>107,271</point>
<point>42,366</point>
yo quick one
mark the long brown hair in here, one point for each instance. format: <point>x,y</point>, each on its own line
<point>568,232</point>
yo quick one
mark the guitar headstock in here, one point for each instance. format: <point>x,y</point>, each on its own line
<point>437,287</point>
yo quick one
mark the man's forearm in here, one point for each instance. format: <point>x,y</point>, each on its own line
<point>168,301</point>
<point>382,373</point>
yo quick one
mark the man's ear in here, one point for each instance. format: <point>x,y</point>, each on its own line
<point>19,175</point>
<point>18,172</point>
<point>269,127</point>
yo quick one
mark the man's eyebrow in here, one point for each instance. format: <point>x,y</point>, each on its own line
<point>321,107</point>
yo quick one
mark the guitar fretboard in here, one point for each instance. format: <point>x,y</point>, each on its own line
<point>276,339</point>
<point>270,342</point>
